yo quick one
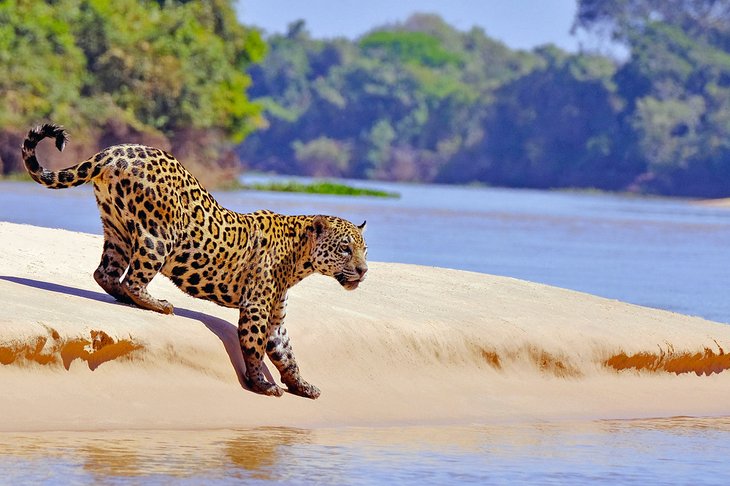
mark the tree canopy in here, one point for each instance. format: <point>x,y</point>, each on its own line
<point>160,70</point>
<point>626,18</point>
<point>417,101</point>
<point>423,101</point>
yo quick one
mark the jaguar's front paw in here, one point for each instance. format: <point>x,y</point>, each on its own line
<point>166,307</point>
<point>303,389</point>
<point>266,388</point>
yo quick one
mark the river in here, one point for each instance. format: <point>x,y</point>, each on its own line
<point>664,253</point>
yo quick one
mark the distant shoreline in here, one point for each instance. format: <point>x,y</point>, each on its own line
<point>331,186</point>
<point>327,187</point>
<point>715,203</point>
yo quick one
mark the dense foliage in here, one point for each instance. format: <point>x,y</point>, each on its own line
<point>168,72</point>
<point>422,101</point>
<point>418,101</point>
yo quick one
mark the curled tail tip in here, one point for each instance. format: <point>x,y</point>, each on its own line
<point>57,132</point>
<point>47,130</point>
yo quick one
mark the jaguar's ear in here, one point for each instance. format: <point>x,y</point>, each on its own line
<point>362,227</point>
<point>320,225</point>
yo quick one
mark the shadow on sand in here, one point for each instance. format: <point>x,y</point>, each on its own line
<point>224,330</point>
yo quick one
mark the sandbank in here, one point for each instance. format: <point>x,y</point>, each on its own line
<point>413,345</point>
<point>715,203</point>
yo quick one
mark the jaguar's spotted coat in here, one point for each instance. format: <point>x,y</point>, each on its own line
<point>158,218</point>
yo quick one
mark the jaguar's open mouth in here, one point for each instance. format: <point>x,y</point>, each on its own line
<point>348,283</point>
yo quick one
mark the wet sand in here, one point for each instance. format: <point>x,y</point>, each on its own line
<point>413,345</point>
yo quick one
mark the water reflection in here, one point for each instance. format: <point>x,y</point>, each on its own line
<point>260,450</point>
<point>251,453</point>
<point>110,460</point>
<point>627,451</point>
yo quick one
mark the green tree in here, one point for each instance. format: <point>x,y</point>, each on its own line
<point>623,19</point>
<point>179,66</point>
<point>421,100</point>
<point>557,126</point>
<point>162,72</point>
<point>676,84</point>
<point>678,90</point>
<point>404,98</point>
<point>42,67</point>
<point>322,157</point>
<point>410,47</point>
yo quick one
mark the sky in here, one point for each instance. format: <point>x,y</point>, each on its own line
<point>521,24</point>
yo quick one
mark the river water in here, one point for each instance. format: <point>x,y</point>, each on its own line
<point>667,451</point>
<point>663,253</point>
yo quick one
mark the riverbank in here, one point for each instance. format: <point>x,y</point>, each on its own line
<point>413,345</point>
<point>715,203</point>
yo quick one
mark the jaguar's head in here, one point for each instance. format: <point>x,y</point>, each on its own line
<point>339,250</point>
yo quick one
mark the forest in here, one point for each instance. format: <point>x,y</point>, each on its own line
<point>422,101</point>
<point>171,74</point>
<point>413,101</point>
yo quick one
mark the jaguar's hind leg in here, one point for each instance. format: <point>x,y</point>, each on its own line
<point>147,257</point>
<point>111,269</point>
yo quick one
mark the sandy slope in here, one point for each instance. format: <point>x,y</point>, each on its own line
<point>718,203</point>
<point>412,345</point>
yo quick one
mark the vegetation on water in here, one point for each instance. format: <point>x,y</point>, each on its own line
<point>422,101</point>
<point>16,177</point>
<point>316,187</point>
<point>321,187</point>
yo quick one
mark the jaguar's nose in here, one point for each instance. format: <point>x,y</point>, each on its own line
<point>361,270</point>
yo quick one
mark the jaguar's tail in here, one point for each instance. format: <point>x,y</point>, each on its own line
<point>72,176</point>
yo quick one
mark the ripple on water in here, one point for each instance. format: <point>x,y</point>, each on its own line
<point>677,450</point>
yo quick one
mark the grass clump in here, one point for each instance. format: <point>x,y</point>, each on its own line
<point>16,176</point>
<point>317,187</point>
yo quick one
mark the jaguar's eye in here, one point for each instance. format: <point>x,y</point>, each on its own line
<point>346,250</point>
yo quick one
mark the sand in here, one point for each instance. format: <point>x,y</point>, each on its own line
<point>716,203</point>
<point>413,345</point>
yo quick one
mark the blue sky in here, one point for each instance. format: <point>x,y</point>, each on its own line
<point>518,23</point>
